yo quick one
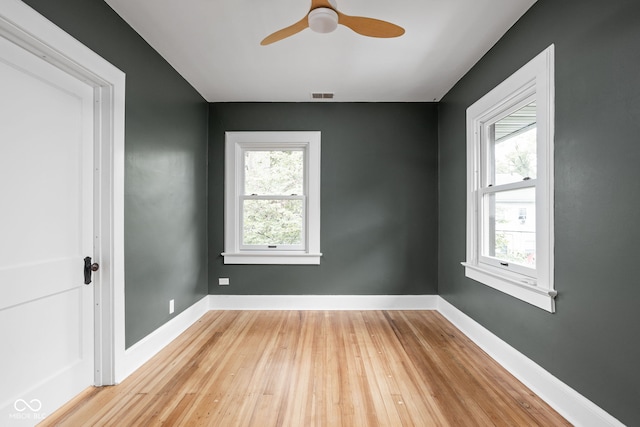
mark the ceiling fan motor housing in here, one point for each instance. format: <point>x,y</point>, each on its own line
<point>323,20</point>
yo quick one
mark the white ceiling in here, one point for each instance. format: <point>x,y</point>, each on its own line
<point>215,46</point>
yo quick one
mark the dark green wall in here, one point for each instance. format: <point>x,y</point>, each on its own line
<point>378,196</point>
<point>165,172</point>
<point>591,343</point>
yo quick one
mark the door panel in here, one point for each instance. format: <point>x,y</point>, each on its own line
<point>46,229</point>
<point>38,349</point>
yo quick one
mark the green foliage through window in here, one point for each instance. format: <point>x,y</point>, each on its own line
<point>272,222</point>
<point>273,207</point>
<point>274,172</point>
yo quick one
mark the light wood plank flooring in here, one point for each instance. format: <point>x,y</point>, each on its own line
<point>315,368</point>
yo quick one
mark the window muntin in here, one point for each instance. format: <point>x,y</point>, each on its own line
<point>510,185</point>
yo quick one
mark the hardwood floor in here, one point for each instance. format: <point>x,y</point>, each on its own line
<point>315,368</point>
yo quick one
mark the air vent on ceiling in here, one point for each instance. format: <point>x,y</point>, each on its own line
<point>322,95</point>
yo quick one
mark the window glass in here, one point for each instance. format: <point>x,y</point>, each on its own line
<point>513,154</point>
<point>274,172</point>
<point>510,229</point>
<point>273,222</point>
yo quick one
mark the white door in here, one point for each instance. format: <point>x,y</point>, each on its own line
<point>46,229</point>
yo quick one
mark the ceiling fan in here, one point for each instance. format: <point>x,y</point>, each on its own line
<point>324,17</point>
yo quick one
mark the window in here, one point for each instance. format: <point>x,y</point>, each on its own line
<point>272,198</point>
<point>510,185</point>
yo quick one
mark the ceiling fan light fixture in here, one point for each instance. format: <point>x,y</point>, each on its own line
<point>323,20</point>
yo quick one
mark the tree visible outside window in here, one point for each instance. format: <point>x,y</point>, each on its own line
<point>274,199</point>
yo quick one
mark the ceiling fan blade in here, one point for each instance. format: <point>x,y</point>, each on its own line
<point>370,27</point>
<point>320,3</point>
<point>286,32</point>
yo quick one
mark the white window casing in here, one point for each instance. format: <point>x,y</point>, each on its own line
<point>534,82</point>
<point>236,144</point>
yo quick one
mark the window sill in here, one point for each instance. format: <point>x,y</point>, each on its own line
<point>272,258</point>
<point>535,295</point>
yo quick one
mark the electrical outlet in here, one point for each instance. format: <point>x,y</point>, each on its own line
<point>171,306</point>
<point>223,281</point>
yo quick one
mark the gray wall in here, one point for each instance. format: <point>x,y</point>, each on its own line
<point>165,172</point>
<point>591,343</point>
<point>378,196</point>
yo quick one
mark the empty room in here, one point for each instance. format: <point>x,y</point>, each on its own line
<point>319,213</point>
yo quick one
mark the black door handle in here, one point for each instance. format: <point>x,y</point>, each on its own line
<point>88,269</point>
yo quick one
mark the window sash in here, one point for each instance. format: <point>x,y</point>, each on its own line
<point>487,140</point>
<point>483,220</point>
<point>303,232</point>
<point>242,197</point>
<point>487,187</point>
<point>276,147</point>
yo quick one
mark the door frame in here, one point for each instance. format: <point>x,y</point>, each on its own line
<point>30,30</point>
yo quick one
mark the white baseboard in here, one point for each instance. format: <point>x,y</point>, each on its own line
<point>323,302</point>
<point>569,403</point>
<point>138,354</point>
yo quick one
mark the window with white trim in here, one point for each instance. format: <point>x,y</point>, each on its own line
<point>272,198</point>
<point>510,185</point>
